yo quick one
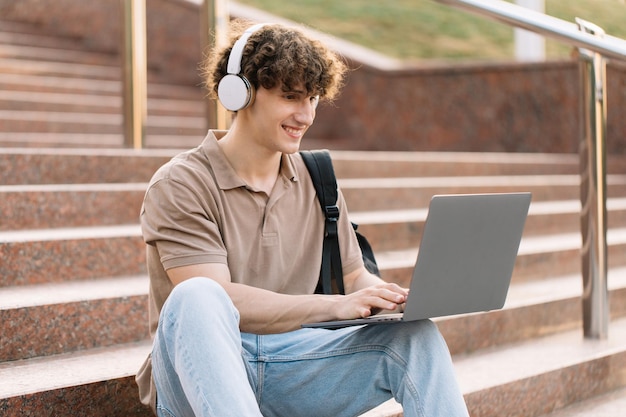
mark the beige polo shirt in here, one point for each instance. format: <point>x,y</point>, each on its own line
<point>198,210</point>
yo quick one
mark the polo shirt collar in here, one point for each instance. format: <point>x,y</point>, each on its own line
<point>225,175</point>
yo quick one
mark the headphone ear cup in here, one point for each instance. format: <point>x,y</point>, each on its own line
<point>235,92</point>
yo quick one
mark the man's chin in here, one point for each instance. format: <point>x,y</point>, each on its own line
<point>292,148</point>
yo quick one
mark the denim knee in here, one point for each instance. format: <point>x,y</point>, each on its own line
<point>421,336</point>
<point>428,334</point>
<point>199,297</point>
<point>426,328</point>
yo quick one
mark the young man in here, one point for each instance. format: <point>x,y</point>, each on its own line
<point>234,245</point>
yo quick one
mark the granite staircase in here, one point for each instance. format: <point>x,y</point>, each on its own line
<point>73,284</point>
<point>53,92</point>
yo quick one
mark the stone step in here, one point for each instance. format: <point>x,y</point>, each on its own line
<point>24,33</point>
<point>79,166</point>
<point>60,166</point>
<point>95,382</point>
<point>537,377</point>
<point>538,257</point>
<point>85,85</point>
<point>94,140</point>
<point>57,54</point>
<point>54,255</point>
<point>59,69</point>
<point>370,164</point>
<point>527,312</point>
<point>612,404</point>
<point>25,101</point>
<point>357,170</point>
<point>70,254</point>
<point>532,310</point>
<point>353,174</point>
<point>92,103</point>
<point>402,193</point>
<point>37,121</point>
<point>62,122</point>
<point>397,229</point>
<point>63,205</point>
<point>69,205</point>
<point>42,83</point>
<point>50,319</point>
<point>526,379</point>
<point>12,35</point>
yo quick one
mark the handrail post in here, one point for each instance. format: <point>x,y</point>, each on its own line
<point>593,188</point>
<point>214,18</point>
<point>134,72</point>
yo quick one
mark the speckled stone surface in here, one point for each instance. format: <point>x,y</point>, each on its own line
<point>473,332</point>
<point>386,194</point>
<point>612,404</point>
<point>68,166</point>
<point>371,164</point>
<point>537,377</point>
<point>403,228</point>
<point>42,206</point>
<point>59,328</point>
<point>528,266</point>
<point>111,398</point>
<point>38,261</point>
<point>559,253</point>
<point>523,398</point>
<point>531,311</point>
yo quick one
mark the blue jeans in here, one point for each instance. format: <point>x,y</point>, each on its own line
<point>204,366</point>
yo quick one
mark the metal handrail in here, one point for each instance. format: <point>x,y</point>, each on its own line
<point>594,46</point>
<point>549,26</point>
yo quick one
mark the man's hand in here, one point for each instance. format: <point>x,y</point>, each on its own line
<point>372,300</point>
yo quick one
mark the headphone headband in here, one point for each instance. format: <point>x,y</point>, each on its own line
<point>234,60</point>
<point>234,90</point>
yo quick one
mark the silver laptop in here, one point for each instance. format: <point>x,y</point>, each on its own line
<point>465,259</point>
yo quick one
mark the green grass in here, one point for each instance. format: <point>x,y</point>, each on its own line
<point>425,29</point>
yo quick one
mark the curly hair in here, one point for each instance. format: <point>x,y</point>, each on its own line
<point>276,55</point>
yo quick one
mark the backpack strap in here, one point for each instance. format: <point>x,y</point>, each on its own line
<point>320,168</point>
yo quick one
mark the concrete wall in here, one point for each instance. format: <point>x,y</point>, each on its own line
<point>525,107</point>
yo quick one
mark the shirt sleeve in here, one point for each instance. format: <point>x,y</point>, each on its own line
<point>181,225</point>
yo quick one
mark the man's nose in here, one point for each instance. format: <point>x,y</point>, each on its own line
<point>306,112</point>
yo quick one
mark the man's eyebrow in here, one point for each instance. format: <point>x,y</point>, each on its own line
<point>300,92</point>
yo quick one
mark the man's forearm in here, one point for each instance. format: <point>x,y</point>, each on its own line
<point>264,312</point>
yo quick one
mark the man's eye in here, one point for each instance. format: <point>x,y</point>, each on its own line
<point>315,100</point>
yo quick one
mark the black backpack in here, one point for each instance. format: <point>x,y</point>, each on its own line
<point>320,166</point>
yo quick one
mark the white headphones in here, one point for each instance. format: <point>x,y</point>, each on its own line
<point>234,90</point>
